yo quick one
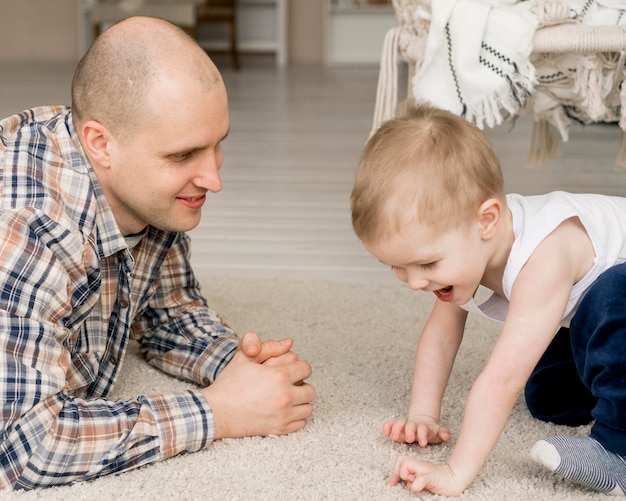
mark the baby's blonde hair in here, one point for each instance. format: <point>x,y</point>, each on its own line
<point>425,165</point>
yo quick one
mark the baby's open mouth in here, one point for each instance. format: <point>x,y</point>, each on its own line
<point>445,294</point>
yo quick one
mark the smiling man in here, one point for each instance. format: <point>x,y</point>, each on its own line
<point>95,201</point>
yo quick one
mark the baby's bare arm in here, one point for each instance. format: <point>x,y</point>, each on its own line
<point>434,358</point>
<point>538,300</point>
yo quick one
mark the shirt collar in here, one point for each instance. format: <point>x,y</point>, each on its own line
<point>110,238</point>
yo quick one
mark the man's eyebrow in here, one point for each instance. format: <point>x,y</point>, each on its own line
<point>192,149</point>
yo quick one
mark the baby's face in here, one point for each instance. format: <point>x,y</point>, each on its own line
<point>450,264</point>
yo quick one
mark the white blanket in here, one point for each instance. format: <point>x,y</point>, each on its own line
<point>476,62</point>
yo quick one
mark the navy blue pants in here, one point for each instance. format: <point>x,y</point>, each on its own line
<point>582,375</point>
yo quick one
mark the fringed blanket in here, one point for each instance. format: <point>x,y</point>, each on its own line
<point>477,62</point>
<point>477,59</point>
<point>581,86</point>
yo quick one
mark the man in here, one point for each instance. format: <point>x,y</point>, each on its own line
<point>95,202</point>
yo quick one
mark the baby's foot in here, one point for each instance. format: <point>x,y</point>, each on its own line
<point>583,460</point>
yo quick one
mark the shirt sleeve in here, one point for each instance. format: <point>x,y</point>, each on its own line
<point>177,330</point>
<point>49,433</point>
<point>66,439</point>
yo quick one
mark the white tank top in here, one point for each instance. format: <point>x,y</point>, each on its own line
<point>535,217</point>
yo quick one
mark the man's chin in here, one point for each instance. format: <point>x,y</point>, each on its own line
<point>177,226</point>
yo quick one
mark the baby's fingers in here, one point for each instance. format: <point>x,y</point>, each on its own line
<point>432,435</point>
<point>423,435</point>
<point>418,475</point>
<point>440,434</point>
<point>400,430</point>
<point>444,434</point>
<point>402,471</point>
<point>394,481</point>
<point>387,427</point>
<point>396,430</point>
<point>410,432</point>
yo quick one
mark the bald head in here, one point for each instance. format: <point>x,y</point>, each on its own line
<point>125,63</point>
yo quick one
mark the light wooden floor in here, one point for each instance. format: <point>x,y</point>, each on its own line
<point>296,136</point>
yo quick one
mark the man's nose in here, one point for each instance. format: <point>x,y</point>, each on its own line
<point>208,176</point>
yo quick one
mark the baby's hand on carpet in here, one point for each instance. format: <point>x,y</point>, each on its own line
<point>422,475</point>
<point>421,429</point>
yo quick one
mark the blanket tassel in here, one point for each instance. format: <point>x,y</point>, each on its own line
<point>620,161</point>
<point>544,143</point>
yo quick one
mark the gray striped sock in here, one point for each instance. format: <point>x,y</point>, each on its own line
<point>583,460</point>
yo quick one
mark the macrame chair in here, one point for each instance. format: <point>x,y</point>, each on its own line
<point>407,40</point>
<point>584,84</point>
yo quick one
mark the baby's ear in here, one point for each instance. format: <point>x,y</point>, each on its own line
<point>489,214</point>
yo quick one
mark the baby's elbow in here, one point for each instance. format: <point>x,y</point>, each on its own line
<point>503,383</point>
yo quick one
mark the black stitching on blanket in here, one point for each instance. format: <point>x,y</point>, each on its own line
<point>555,77</point>
<point>551,78</point>
<point>454,77</point>
<point>519,93</point>
<point>585,8</point>
<point>498,55</point>
<point>491,66</point>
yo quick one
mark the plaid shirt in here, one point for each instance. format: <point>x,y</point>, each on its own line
<point>71,295</point>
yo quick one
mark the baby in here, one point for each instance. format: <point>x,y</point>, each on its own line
<point>429,201</point>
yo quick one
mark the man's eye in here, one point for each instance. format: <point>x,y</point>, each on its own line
<point>181,157</point>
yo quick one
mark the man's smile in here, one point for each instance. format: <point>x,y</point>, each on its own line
<point>193,202</point>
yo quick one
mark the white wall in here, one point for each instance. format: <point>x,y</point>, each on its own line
<point>39,30</point>
<point>356,34</point>
<point>48,31</point>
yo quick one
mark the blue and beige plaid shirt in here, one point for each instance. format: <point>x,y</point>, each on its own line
<point>71,295</point>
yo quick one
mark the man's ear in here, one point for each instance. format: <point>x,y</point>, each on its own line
<point>96,142</point>
<point>489,214</point>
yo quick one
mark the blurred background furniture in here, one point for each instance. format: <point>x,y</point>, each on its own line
<point>221,12</point>
<point>188,14</point>
<point>580,70</point>
<point>250,26</point>
<point>183,13</point>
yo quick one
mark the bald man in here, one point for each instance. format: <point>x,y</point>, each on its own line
<point>95,202</point>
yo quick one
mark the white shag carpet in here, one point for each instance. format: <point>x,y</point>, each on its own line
<point>360,340</point>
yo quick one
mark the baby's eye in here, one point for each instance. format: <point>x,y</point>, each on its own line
<point>428,266</point>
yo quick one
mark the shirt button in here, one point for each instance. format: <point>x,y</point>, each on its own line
<point>113,359</point>
<point>123,303</point>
